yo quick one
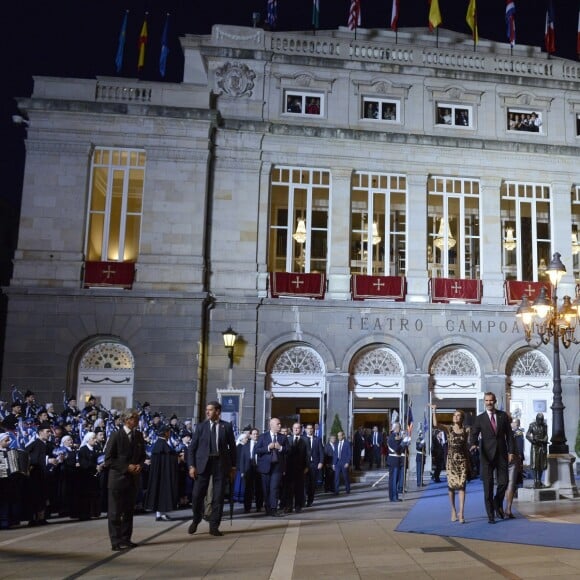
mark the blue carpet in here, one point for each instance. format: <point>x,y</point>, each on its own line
<point>431,515</point>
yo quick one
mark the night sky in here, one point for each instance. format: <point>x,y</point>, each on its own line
<point>78,38</point>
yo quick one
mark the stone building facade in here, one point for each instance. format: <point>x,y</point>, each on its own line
<point>157,215</point>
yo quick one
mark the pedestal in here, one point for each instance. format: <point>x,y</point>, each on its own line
<point>560,475</point>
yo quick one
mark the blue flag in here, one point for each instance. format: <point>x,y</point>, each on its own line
<point>121,47</point>
<point>164,48</point>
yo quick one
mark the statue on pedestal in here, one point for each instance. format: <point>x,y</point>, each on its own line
<point>537,435</point>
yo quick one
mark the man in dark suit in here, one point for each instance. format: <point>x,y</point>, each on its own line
<point>342,461</point>
<point>124,456</point>
<point>248,469</point>
<point>297,466</point>
<point>359,445</point>
<point>496,447</point>
<point>211,454</point>
<point>315,454</point>
<point>272,449</point>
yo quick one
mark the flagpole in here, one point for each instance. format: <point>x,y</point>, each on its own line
<point>437,38</point>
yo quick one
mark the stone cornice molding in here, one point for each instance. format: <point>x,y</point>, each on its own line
<point>305,80</point>
<point>381,86</point>
<point>525,99</point>
<point>454,93</point>
<point>58,147</point>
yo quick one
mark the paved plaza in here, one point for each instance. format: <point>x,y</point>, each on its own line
<point>339,537</point>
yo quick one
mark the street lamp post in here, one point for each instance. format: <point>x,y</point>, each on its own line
<point>230,337</point>
<point>552,324</point>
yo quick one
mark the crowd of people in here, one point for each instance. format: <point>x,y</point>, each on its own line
<point>53,464</point>
<point>81,463</point>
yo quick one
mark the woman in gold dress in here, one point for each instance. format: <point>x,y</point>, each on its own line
<point>458,461</point>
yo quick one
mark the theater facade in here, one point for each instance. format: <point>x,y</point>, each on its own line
<point>364,212</point>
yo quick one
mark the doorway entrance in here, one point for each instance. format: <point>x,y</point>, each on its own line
<point>106,371</point>
<point>296,409</point>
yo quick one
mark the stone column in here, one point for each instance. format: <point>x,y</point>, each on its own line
<point>490,232</point>
<point>417,389</point>
<point>339,239</point>
<point>417,279</point>
<point>263,234</point>
<point>561,234</point>
<point>337,402</point>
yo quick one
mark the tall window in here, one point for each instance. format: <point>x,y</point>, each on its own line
<point>299,202</point>
<point>378,224</point>
<point>116,205</point>
<point>453,228</point>
<point>576,232</point>
<point>525,216</point>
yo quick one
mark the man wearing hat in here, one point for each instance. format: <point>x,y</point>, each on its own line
<point>125,455</point>
<point>30,408</point>
<point>70,411</point>
<point>41,457</point>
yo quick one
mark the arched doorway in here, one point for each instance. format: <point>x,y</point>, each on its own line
<point>297,386</point>
<point>106,371</point>
<point>530,380</point>
<point>378,384</point>
<point>455,383</point>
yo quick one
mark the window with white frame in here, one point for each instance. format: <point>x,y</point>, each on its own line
<point>454,115</point>
<point>378,244</point>
<point>116,205</point>
<point>304,103</point>
<point>524,120</point>
<point>387,110</point>
<point>299,209</point>
<point>576,232</point>
<point>453,249</point>
<point>526,240</point>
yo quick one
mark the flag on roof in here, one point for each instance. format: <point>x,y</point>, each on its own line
<point>510,21</point>
<point>471,19</point>
<point>272,14</point>
<point>143,36</point>
<point>395,15</point>
<point>354,19</point>
<point>164,48</point>
<point>315,13</point>
<point>434,15</point>
<point>121,47</point>
<point>550,31</point>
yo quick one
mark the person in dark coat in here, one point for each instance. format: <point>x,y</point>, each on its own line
<point>89,495</point>
<point>41,457</point>
<point>211,456</point>
<point>162,491</point>
<point>297,466</point>
<point>124,456</point>
<point>496,447</point>
<point>315,454</point>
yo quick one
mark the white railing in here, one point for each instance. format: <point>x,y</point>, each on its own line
<point>122,92</point>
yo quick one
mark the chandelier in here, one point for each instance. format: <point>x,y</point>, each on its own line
<point>509,242</point>
<point>444,232</point>
<point>300,233</point>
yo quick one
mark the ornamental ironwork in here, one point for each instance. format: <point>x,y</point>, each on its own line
<point>108,355</point>
<point>456,362</point>
<point>531,364</point>
<point>298,360</point>
<point>379,361</point>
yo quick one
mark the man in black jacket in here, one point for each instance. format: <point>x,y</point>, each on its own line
<point>124,456</point>
<point>211,454</point>
<point>496,447</point>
